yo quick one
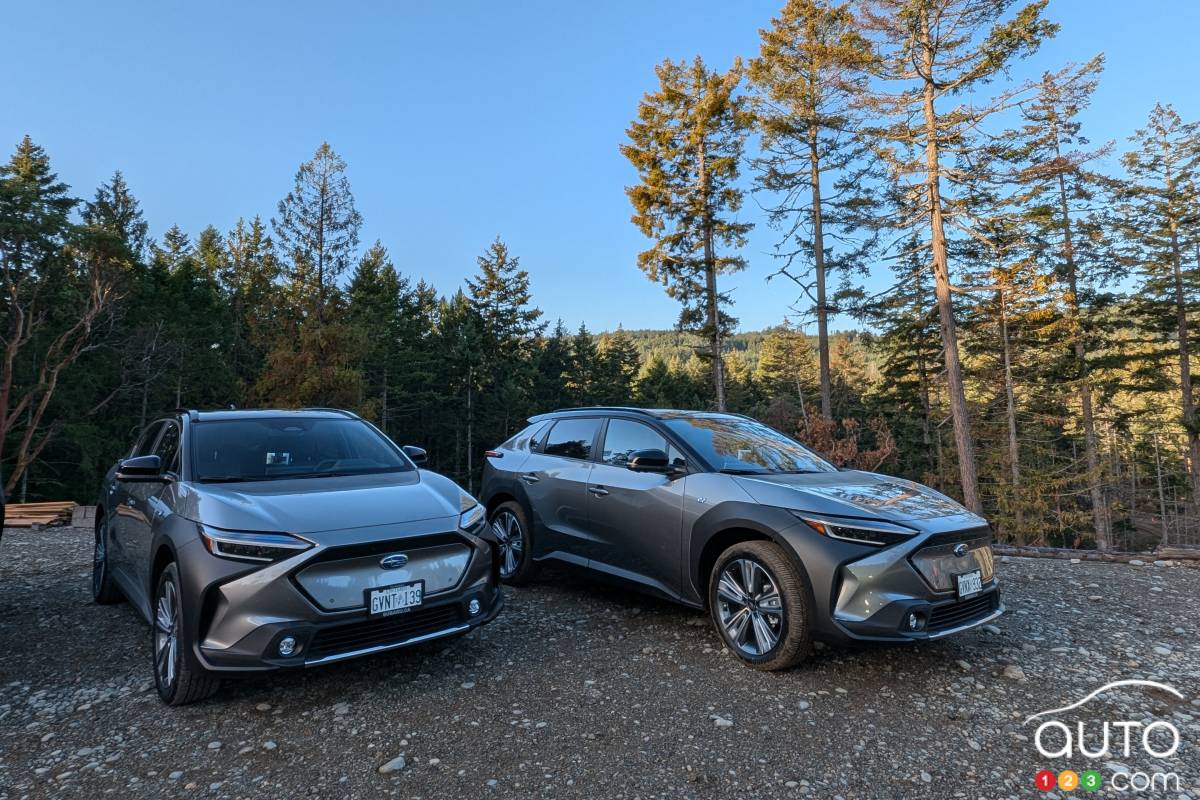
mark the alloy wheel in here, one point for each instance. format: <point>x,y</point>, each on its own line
<point>751,610</point>
<point>512,544</point>
<point>166,634</point>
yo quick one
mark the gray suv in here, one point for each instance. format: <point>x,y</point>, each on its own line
<point>719,511</point>
<point>261,540</point>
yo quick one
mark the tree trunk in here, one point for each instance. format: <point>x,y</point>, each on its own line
<point>1162,501</point>
<point>710,289</point>
<point>1095,489</point>
<point>941,274</point>
<point>1010,407</point>
<point>1185,366</point>
<point>819,269</point>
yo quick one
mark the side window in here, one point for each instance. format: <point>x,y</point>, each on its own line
<point>526,438</point>
<point>572,438</point>
<point>168,448</point>
<point>146,441</point>
<point>625,437</point>
<point>675,458</point>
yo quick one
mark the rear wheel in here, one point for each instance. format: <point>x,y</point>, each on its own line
<point>104,588</point>
<point>512,531</point>
<point>177,674</point>
<point>759,605</point>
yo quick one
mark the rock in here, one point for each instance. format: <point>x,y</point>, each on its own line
<point>1116,766</point>
<point>341,709</point>
<point>269,745</point>
<point>926,777</point>
<point>964,666</point>
<point>974,745</point>
<point>176,775</point>
<point>722,722</point>
<point>1156,588</point>
<point>1137,562</point>
<point>1164,563</point>
<point>1095,598</point>
<point>468,684</point>
<point>804,705</point>
<point>1162,650</point>
<point>1014,672</point>
<point>214,745</point>
<point>433,762</point>
<point>395,765</point>
<point>263,707</point>
<point>992,629</point>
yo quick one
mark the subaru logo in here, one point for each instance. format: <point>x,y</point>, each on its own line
<point>394,561</point>
<point>960,550</point>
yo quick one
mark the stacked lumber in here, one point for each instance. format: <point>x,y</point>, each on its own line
<point>28,515</point>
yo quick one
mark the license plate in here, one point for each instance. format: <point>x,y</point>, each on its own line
<point>396,599</point>
<point>969,583</point>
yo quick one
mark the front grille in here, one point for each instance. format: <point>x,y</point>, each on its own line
<point>953,615</point>
<point>938,565</point>
<point>352,636</point>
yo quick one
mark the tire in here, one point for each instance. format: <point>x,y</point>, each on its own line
<point>104,588</point>
<point>775,631</point>
<point>511,529</point>
<point>178,677</point>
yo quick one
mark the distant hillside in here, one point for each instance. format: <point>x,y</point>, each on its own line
<point>668,344</point>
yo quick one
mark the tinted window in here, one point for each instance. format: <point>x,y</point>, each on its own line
<point>274,448</point>
<point>625,437</point>
<point>572,438</point>
<point>168,448</point>
<point>525,438</point>
<point>145,442</point>
<point>741,445</point>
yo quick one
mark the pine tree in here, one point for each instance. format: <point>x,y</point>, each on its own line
<point>618,364</point>
<point>787,370</point>
<point>374,308</point>
<point>317,229</point>
<point>1162,222</point>
<point>811,68</point>
<point>552,370</point>
<point>1058,195</point>
<point>249,280</point>
<point>935,49</point>
<point>582,377</point>
<point>686,145</point>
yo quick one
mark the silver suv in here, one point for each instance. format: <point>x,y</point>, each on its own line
<point>261,540</point>
<point>721,512</point>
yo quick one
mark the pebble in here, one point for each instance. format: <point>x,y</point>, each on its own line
<point>468,684</point>
<point>1162,650</point>
<point>214,745</point>
<point>176,775</point>
<point>263,707</point>
<point>341,709</point>
<point>722,722</point>
<point>1014,672</point>
<point>992,629</point>
<point>926,777</point>
<point>805,705</point>
<point>395,765</point>
<point>269,745</point>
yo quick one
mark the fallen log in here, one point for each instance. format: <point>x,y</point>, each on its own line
<point>1183,555</point>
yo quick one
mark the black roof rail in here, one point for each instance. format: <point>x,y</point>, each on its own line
<point>341,411</point>
<point>592,409</point>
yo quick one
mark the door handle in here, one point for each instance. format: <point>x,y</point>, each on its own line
<point>530,478</point>
<point>599,491</point>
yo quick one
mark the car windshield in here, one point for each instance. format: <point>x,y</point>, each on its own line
<point>743,446</point>
<point>269,448</point>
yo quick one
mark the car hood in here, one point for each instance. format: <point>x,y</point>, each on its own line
<point>313,505</point>
<point>850,493</point>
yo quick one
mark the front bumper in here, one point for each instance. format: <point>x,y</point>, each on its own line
<point>240,613</point>
<point>867,594</point>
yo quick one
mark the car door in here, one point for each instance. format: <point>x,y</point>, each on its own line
<point>636,518</point>
<point>146,505</point>
<point>556,480</point>
<point>122,558</point>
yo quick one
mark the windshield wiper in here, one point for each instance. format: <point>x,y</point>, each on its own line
<point>223,479</point>
<point>743,471</point>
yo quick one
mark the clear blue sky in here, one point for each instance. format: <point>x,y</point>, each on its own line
<point>459,121</point>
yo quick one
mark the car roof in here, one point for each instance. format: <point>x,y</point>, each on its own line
<point>654,413</point>
<point>268,413</point>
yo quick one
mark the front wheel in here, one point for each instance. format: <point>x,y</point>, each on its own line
<point>515,542</point>
<point>759,605</point>
<point>104,588</point>
<point>177,674</point>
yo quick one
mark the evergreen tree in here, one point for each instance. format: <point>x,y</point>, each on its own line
<point>552,370</point>
<point>585,365</point>
<point>374,309</point>
<point>811,67</point>
<point>929,65</point>
<point>1162,222</point>
<point>686,145</point>
<point>617,367</point>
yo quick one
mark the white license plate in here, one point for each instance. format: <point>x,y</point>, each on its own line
<point>394,599</point>
<point>969,583</point>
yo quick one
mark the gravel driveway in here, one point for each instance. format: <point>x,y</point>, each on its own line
<point>578,690</point>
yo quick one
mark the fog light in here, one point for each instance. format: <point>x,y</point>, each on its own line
<point>473,607</point>
<point>287,646</point>
<point>915,622</point>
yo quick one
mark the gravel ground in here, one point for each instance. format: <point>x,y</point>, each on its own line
<point>578,690</point>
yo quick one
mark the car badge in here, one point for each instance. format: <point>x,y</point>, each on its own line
<point>960,550</point>
<point>394,561</point>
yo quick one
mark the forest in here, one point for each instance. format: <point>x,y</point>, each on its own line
<point>1029,352</point>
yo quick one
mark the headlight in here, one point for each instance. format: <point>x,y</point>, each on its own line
<point>873,533</point>
<point>245,546</point>
<point>472,519</point>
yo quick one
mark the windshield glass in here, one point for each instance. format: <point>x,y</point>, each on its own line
<point>260,449</point>
<point>735,444</point>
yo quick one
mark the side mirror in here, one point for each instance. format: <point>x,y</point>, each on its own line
<point>416,454</point>
<point>141,469</point>
<point>650,461</point>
